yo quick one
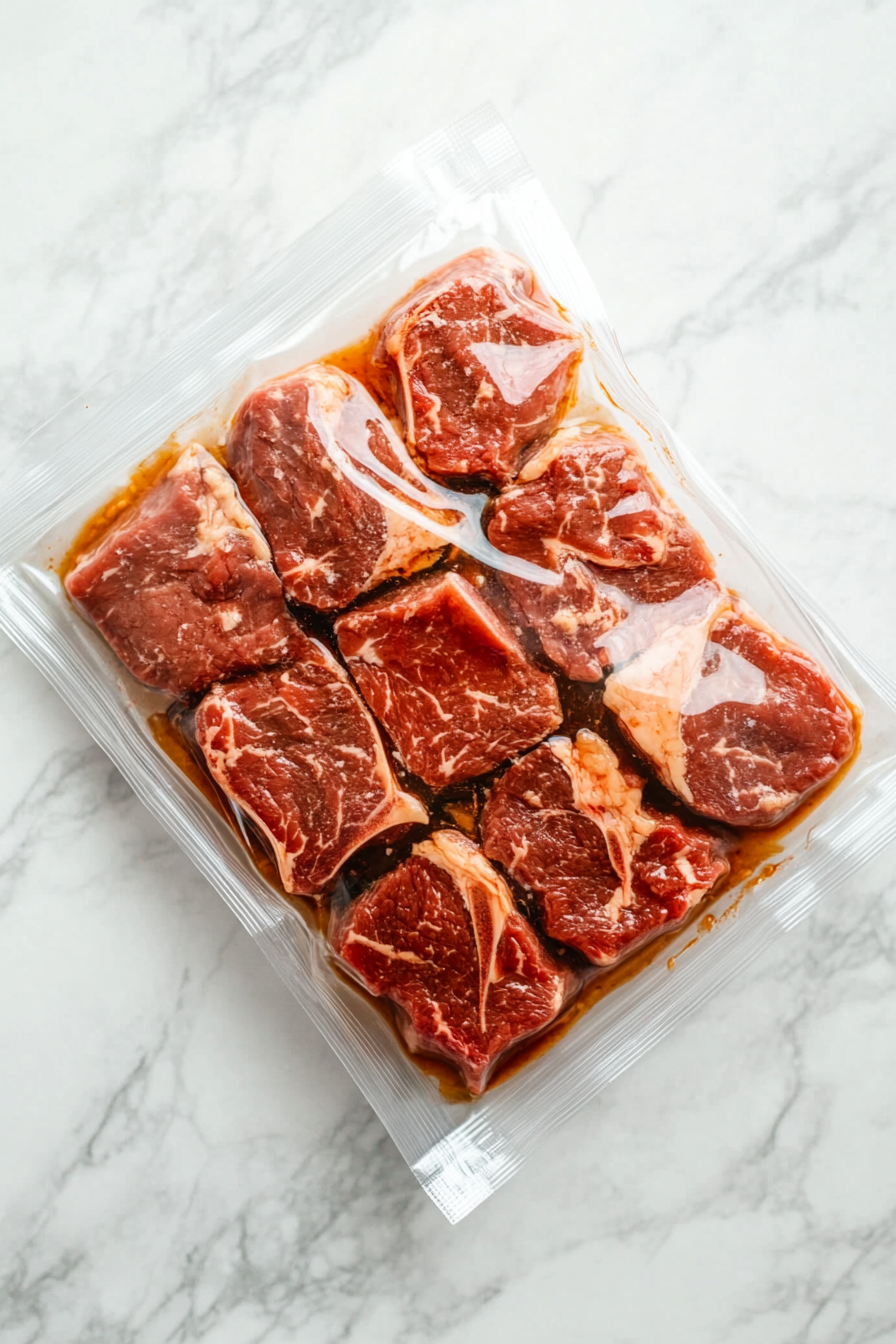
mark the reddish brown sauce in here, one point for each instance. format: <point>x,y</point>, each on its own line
<point>175,748</point>
<point>356,359</point>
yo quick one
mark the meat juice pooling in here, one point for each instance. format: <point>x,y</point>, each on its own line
<point>662,634</point>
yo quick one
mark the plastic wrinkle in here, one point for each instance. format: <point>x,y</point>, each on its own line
<point>346,441</point>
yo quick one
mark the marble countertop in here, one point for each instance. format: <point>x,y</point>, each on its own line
<point>181,1157</point>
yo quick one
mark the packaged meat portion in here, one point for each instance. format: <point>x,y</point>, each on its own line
<point>441,937</point>
<point>608,872</point>
<point>182,587</point>
<point>585,493</point>
<point>447,677</point>
<point>479,362</point>
<point>299,754</point>
<point>291,448</point>
<point>737,721</point>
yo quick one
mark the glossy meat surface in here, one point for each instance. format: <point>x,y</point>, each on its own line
<point>298,753</point>
<point>737,721</point>
<point>479,362</point>
<point>571,620</point>
<point>585,505</point>
<point>685,563</point>
<point>441,937</point>
<point>446,676</point>
<point>291,450</point>
<point>586,494</point>
<point>599,617</point>
<point>183,588</point>
<point>607,872</point>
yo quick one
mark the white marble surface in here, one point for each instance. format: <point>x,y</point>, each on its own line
<point>181,1159</point>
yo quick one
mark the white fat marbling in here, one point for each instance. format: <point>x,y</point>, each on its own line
<point>181,1158</point>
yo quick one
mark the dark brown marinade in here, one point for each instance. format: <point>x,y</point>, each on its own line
<point>753,855</point>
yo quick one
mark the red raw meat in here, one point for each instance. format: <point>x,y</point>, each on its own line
<point>288,449</point>
<point>686,563</point>
<point>441,937</point>
<point>479,362</point>
<point>183,588</point>
<point>585,493</point>
<point>447,677</point>
<point>584,504</point>
<point>297,751</point>
<point>590,622</point>
<point>607,872</point>
<point>572,619</point>
<point>734,719</point>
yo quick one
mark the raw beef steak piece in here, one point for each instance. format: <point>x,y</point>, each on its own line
<point>584,504</point>
<point>182,587</point>
<point>737,721</point>
<point>293,446</point>
<point>441,937</point>
<point>297,751</point>
<point>585,493</point>
<point>607,872</point>
<point>572,620</point>
<point>479,362</point>
<point>448,678</point>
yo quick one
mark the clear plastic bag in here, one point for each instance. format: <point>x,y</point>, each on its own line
<point>465,187</point>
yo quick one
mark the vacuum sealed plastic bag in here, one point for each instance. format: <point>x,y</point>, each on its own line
<point>427,640</point>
